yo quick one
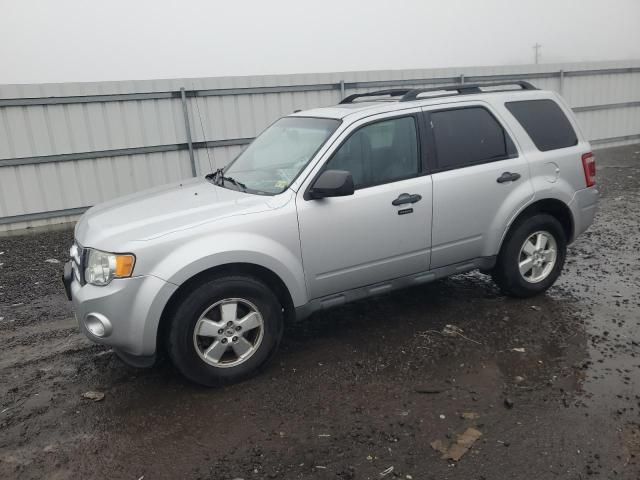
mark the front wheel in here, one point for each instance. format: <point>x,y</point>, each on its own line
<point>225,330</point>
<point>531,257</point>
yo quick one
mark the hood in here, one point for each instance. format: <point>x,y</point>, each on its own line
<point>163,210</point>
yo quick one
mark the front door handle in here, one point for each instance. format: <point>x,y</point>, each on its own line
<point>508,177</point>
<point>407,198</point>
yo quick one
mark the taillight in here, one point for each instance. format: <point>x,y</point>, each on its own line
<point>589,165</point>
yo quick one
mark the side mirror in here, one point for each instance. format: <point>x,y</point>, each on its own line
<point>332,183</point>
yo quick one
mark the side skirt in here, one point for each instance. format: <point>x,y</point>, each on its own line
<point>336,299</point>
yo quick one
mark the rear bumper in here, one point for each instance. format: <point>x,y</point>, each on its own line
<point>132,307</point>
<point>583,207</point>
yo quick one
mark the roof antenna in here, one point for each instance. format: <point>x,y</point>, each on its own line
<point>204,138</point>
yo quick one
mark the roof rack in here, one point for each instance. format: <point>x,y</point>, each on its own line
<point>407,95</point>
<point>392,92</point>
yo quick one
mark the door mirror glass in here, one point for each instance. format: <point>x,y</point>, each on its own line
<point>332,183</point>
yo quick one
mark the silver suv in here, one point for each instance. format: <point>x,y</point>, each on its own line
<point>386,190</point>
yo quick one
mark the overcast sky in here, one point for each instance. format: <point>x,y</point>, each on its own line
<point>90,40</point>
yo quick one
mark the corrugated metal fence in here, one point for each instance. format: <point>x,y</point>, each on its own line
<point>64,147</point>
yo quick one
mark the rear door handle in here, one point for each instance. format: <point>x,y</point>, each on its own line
<point>508,177</point>
<point>407,198</point>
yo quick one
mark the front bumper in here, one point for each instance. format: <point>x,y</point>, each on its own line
<point>67,278</point>
<point>133,307</point>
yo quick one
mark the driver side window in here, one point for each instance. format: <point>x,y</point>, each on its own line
<point>381,152</point>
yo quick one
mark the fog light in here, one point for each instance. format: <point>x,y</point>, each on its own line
<point>98,324</point>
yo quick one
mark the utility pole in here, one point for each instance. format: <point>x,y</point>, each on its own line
<point>536,48</point>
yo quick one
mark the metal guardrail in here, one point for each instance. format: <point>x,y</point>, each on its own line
<point>623,138</point>
<point>119,152</point>
<point>606,106</point>
<point>183,94</point>
<point>190,145</point>
<point>119,97</point>
<point>28,217</point>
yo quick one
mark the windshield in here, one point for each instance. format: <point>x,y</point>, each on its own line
<point>278,155</point>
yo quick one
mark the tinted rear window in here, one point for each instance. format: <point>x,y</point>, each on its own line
<point>468,136</point>
<point>545,122</point>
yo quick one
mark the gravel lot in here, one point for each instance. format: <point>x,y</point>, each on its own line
<point>359,392</point>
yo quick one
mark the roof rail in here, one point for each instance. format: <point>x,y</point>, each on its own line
<point>464,89</point>
<point>392,92</point>
<point>408,94</point>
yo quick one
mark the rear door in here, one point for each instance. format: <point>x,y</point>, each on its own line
<point>479,181</point>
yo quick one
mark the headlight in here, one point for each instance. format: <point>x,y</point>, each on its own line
<point>102,267</point>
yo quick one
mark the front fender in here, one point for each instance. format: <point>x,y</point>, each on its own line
<point>198,255</point>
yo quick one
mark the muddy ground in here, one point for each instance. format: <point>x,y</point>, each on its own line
<point>353,391</point>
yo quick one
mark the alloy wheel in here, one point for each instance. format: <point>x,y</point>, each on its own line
<point>228,332</point>
<point>537,256</point>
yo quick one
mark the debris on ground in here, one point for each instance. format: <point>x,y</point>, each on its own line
<point>455,450</point>
<point>52,260</point>
<point>92,395</point>
<point>386,472</point>
<point>469,415</point>
<point>508,403</point>
<point>536,308</point>
<point>454,331</point>
<point>451,330</point>
<point>440,446</point>
<point>518,379</point>
<point>518,349</point>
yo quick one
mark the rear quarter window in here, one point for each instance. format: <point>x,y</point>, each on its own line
<point>545,122</point>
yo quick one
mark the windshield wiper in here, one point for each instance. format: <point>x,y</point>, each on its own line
<point>219,179</point>
<point>235,182</point>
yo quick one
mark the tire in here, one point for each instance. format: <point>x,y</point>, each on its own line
<point>198,357</point>
<point>507,275</point>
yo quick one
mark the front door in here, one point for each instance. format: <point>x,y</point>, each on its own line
<point>383,230</point>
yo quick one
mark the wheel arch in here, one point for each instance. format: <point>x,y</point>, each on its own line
<point>264,274</point>
<point>551,206</point>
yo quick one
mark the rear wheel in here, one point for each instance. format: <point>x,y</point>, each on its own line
<point>225,330</point>
<point>532,256</point>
